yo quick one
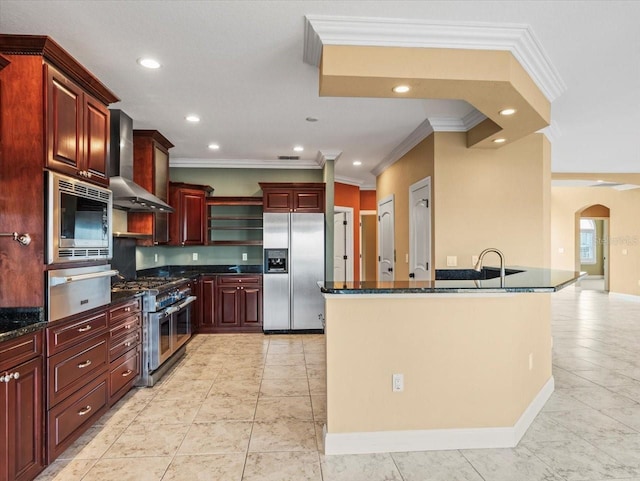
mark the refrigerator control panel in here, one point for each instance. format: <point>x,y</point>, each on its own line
<point>275,261</point>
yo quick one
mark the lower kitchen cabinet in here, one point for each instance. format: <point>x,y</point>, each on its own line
<point>125,338</point>
<point>239,303</point>
<point>208,298</point>
<point>21,408</point>
<point>77,368</point>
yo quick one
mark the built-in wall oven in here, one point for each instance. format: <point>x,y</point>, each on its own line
<point>78,220</point>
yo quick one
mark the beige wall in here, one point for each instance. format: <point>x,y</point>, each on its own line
<point>465,360</point>
<point>417,164</point>
<point>492,198</point>
<point>480,198</point>
<point>624,232</point>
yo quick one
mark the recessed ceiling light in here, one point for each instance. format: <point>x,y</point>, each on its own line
<point>214,146</point>
<point>311,119</point>
<point>148,63</point>
<point>298,148</point>
<point>508,111</point>
<point>357,162</point>
<point>401,89</point>
<point>192,118</point>
<point>499,141</point>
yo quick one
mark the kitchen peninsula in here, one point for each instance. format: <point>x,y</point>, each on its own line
<point>474,359</point>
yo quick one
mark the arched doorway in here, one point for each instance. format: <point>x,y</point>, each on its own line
<point>592,246</point>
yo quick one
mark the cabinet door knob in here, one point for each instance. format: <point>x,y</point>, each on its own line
<point>88,174</point>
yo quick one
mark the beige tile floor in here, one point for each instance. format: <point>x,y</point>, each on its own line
<point>251,407</point>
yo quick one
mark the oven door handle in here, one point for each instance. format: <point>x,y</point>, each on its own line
<point>56,281</point>
<point>187,301</point>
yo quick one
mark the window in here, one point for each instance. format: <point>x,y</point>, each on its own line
<point>587,241</point>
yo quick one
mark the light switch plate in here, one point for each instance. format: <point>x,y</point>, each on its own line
<point>452,261</point>
<point>244,256</point>
<point>195,256</point>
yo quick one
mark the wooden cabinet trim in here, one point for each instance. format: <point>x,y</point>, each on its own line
<point>20,349</point>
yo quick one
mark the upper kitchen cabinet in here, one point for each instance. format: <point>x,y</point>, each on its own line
<point>40,119</point>
<point>293,197</point>
<point>187,224</point>
<point>77,130</point>
<point>151,172</point>
<point>72,113</point>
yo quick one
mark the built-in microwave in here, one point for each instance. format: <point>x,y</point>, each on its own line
<point>78,220</point>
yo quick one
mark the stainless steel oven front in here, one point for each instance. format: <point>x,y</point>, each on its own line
<point>79,226</point>
<point>74,290</point>
<point>167,331</point>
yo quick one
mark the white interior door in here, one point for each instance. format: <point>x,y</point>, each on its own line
<point>343,244</point>
<point>339,247</point>
<point>386,248</point>
<point>605,254</point>
<point>420,230</point>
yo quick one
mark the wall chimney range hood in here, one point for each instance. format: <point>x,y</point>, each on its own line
<point>127,195</point>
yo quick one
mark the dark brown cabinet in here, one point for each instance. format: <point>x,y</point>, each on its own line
<point>125,337</point>
<point>77,366</point>
<point>187,224</point>
<point>21,408</point>
<point>239,303</point>
<point>196,310</point>
<point>208,304</point>
<point>77,130</point>
<point>151,172</point>
<point>293,197</point>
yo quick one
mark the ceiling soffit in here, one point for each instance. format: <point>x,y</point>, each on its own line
<point>490,66</point>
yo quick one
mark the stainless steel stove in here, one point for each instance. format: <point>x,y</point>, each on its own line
<point>166,322</point>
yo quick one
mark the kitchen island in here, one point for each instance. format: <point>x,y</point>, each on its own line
<point>474,355</point>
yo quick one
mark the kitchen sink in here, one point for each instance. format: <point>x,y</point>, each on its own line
<point>471,274</point>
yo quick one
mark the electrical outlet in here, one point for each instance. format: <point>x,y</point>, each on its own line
<point>155,257</point>
<point>560,250</point>
<point>474,260</point>
<point>452,261</point>
<point>195,256</point>
<point>530,361</point>
<point>397,383</point>
<point>244,256</point>
<point>624,252</point>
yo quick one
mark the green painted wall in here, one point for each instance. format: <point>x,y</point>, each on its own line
<point>226,182</point>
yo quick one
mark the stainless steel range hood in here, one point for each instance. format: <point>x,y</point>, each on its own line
<point>127,195</point>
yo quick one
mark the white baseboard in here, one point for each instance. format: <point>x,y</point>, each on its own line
<point>437,439</point>
<point>627,297</point>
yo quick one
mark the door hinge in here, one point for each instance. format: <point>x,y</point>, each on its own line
<point>378,218</point>
<point>378,258</point>
<point>427,266</point>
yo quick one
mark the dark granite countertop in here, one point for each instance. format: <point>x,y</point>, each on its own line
<point>16,321</point>
<point>122,296</point>
<point>529,280</point>
<point>194,271</point>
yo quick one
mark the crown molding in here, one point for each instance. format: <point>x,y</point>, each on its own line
<point>472,119</point>
<point>349,181</point>
<point>414,138</point>
<point>243,163</point>
<point>518,39</point>
<point>322,157</point>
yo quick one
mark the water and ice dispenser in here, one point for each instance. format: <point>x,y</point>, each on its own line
<point>275,261</point>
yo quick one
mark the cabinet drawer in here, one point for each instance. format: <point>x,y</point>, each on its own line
<point>66,334</point>
<point>123,373</point>
<point>71,369</point>
<point>119,345</point>
<point>227,280</point>
<point>69,419</point>
<point>124,325</point>
<point>21,349</point>
<point>123,310</point>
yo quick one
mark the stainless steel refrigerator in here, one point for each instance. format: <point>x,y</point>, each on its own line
<point>293,265</point>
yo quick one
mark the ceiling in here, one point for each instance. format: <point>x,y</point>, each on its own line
<point>239,66</point>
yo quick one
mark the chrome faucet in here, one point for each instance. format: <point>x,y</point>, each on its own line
<point>478,266</point>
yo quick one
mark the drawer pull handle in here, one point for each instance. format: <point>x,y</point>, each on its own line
<point>84,329</point>
<point>127,344</point>
<point>127,326</point>
<point>82,365</point>
<point>127,309</point>
<point>128,372</point>
<point>84,411</point>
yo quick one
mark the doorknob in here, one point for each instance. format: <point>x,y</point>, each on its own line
<point>390,269</point>
<point>412,275</point>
